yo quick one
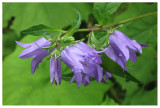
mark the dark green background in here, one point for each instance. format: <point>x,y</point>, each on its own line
<point>20,87</point>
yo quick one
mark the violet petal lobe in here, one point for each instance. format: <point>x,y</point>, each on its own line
<point>52,69</point>
<point>132,56</point>
<point>24,45</point>
<point>107,75</point>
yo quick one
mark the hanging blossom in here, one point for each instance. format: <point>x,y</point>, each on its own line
<point>33,50</point>
<point>84,62</point>
<point>122,48</point>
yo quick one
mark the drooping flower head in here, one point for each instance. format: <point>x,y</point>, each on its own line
<point>122,48</point>
<point>55,69</point>
<point>84,62</point>
<point>33,50</point>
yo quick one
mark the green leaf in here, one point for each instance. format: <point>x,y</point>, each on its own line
<point>103,11</point>
<point>57,15</point>
<point>99,39</point>
<point>67,77</point>
<point>75,25</point>
<point>114,68</point>
<point>109,101</point>
<point>42,30</point>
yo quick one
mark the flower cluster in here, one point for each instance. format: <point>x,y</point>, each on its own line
<point>82,59</point>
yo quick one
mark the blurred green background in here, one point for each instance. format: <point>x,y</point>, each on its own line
<point>20,87</point>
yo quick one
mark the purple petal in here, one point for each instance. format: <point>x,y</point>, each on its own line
<point>85,80</point>
<point>30,53</point>
<point>127,41</point>
<point>34,50</point>
<point>84,47</point>
<point>137,46</point>
<point>116,56</point>
<point>78,77</point>
<point>55,70</point>
<point>111,53</point>
<point>132,55</point>
<point>74,78</point>
<point>96,58</point>
<point>103,81</point>
<point>72,56</point>
<point>99,73</point>
<point>58,70</point>
<point>122,62</point>
<point>117,44</point>
<point>24,45</point>
<point>107,75</point>
<point>143,46</point>
<point>37,60</point>
<point>52,69</point>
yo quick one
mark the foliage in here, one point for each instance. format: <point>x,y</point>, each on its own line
<point>20,87</point>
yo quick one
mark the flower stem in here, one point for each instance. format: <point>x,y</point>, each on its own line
<point>118,23</point>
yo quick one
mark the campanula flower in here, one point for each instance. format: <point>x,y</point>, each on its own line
<point>84,62</point>
<point>122,48</point>
<point>34,50</point>
<point>55,69</point>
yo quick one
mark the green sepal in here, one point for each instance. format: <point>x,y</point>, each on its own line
<point>99,40</point>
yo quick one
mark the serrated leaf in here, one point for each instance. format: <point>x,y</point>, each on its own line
<point>114,68</point>
<point>75,25</point>
<point>103,11</point>
<point>42,30</point>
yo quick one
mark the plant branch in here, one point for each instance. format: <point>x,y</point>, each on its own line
<point>88,30</point>
<point>130,19</point>
<point>118,23</point>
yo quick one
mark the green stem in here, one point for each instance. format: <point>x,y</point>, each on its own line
<point>88,30</point>
<point>130,19</point>
<point>118,23</point>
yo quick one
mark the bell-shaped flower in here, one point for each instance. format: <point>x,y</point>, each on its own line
<point>122,48</point>
<point>84,62</point>
<point>34,50</point>
<point>55,69</point>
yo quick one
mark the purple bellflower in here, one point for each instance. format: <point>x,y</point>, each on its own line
<point>84,62</point>
<point>122,48</point>
<point>55,69</point>
<point>33,50</point>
